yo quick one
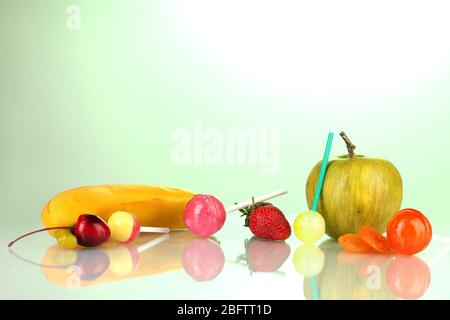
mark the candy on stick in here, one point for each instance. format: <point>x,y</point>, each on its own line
<point>309,226</point>
<point>204,215</point>
<point>125,227</point>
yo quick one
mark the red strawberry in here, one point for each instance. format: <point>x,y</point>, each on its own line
<point>265,256</point>
<point>267,222</point>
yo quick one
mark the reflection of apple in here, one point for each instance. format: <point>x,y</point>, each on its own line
<point>123,259</point>
<point>354,277</point>
<point>92,263</point>
<point>203,259</point>
<point>408,277</point>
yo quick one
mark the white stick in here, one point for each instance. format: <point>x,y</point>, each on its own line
<point>257,199</point>
<point>155,229</point>
<point>152,243</point>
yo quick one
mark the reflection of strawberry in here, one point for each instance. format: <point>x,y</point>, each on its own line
<point>265,256</point>
<point>267,222</point>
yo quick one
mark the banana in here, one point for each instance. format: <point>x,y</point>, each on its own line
<point>154,206</point>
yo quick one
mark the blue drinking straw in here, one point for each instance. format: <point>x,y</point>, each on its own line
<point>323,170</point>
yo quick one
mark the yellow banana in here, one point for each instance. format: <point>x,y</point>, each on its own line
<point>153,205</point>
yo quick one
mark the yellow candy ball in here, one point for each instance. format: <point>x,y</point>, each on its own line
<point>309,226</point>
<point>308,260</point>
<point>124,226</point>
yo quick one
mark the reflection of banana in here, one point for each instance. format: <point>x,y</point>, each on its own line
<point>154,206</point>
<point>120,260</point>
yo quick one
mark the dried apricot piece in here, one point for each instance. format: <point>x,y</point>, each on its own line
<point>353,243</point>
<point>374,239</point>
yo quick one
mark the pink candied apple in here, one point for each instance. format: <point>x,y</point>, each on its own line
<point>204,215</point>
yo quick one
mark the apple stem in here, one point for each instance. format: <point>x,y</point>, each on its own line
<point>33,232</point>
<point>350,146</point>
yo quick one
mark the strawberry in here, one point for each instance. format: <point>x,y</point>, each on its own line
<point>265,256</point>
<point>266,221</point>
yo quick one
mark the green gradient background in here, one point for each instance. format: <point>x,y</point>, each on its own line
<point>98,105</point>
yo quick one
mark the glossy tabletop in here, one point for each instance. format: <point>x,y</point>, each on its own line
<point>181,266</point>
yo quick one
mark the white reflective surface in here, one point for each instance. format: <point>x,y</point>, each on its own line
<point>181,266</point>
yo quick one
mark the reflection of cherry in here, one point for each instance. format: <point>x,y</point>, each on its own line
<point>408,277</point>
<point>203,259</point>
<point>91,263</point>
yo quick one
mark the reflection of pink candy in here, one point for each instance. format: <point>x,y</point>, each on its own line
<point>204,215</point>
<point>203,259</point>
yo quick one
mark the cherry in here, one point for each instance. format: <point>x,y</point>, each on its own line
<point>409,231</point>
<point>90,231</point>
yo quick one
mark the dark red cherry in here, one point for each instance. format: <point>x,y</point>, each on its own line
<point>91,230</point>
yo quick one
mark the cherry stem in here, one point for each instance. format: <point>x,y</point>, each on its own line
<point>36,263</point>
<point>350,146</point>
<point>36,231</point>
